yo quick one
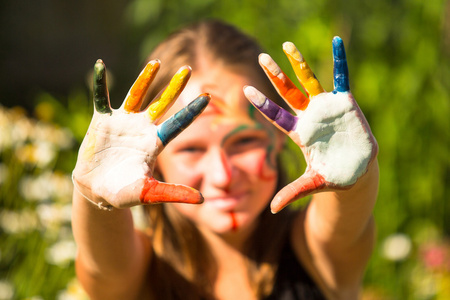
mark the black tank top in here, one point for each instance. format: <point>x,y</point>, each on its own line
<point>292,282</point>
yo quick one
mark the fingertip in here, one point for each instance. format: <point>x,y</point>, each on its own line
<point>206,96</point>
<point>264,58</point>
<point>275,206</point>
<point>99,67</point>
<point>338,48</point>
<point>290,49</point>
<point>254,96</point>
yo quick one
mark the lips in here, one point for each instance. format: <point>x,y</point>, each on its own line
<point>226,202</point>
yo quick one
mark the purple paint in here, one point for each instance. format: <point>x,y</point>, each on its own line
<point>279,115</point>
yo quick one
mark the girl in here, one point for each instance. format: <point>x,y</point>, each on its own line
<point>216,195</point>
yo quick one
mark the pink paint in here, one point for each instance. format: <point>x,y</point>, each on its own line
<point>261,175</point>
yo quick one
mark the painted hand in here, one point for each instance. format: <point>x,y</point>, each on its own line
<point>330,129</point>
<point>116,159</point>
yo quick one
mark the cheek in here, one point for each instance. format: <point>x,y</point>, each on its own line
<point>260,163</point>
<point>175,171</point>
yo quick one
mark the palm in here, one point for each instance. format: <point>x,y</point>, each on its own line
<point>116,159</point>
<point>329,127</point>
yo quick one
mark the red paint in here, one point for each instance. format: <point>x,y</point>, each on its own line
<point>261,175</point>
<point>289,91</point>
<point>234,225</point>
<point>155,191</point>
<point>226,166</point>
<point>307,184</point>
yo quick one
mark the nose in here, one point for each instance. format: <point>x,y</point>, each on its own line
<point>218,169</point>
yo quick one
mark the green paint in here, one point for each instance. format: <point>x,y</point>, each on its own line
<point>251,112</point>
<point>233,132</point>
<point>101,95</point>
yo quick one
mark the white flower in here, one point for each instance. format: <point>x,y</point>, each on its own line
<point>397,247</point>
<point>52,215</point>
<point>14,222</point>
<point>47,186</point>
<point>61,253</point>
<point>6,290</point>
<point>74,291</point>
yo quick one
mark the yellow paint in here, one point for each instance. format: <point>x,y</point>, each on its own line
<point>160,105</point>
<point>89,149</point>
<point>140,87</point>
<point>304,73</point>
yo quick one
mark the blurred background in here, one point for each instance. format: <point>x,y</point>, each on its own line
<point>399,62</point>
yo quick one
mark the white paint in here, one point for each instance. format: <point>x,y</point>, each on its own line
<point>125,151</point>
<point>254,95</point>
<point>335,138</point>
<point>290,48</point>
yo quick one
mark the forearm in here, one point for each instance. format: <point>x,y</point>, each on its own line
<point>341,217</point>
<point>108,245</point>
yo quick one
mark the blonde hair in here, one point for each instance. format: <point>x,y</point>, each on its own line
<point>182,260</point>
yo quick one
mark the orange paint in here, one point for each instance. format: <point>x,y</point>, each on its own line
<point>139,89</point>
<point>155,191</point>
<point>288,90</point>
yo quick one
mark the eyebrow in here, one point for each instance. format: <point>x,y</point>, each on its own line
<point>240,129</point>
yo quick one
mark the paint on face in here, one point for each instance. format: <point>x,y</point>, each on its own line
<point>234,224</point>
<point>301,68</point>
<point>266,161</point>
<point>155,191</point>
<point>176,85</point>
<point>285,87</point>
<point>227,168</point>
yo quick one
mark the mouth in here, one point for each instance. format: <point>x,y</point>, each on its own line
<point>226,202</point>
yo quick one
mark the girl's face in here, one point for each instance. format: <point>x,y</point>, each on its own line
<point>228,153</point>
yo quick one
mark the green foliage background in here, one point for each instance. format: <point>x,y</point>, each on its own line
<point>399,62</point>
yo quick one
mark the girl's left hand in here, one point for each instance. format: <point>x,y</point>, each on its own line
<point>330,128</point>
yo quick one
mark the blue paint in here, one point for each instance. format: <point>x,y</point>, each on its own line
<point>168,130</point>
<point>279,115</point>
<point>340,70</point>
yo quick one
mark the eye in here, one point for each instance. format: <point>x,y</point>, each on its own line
<point>248,140</point>
<point>191,150</point>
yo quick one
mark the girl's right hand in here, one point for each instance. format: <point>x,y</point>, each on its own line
<point>117,156</point>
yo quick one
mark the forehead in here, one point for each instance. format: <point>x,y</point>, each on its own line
<point>226,89</point>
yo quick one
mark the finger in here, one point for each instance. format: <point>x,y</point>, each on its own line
<point>304,73</point>
<point>340,70</point>
<point>277,115</point>
<point>285,87</point>
<point>307,184</point>
<point>137,93</point>
<point>161,104</point>
<point>182,119</point>
<point>101,94</point>
<point>155,191</point>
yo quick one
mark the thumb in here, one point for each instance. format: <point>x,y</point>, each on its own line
<point>309,183</point>
<point>154,191</point>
